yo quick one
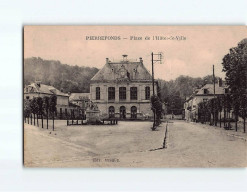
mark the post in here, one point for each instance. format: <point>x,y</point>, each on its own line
<point>214,119</point>
<point>53,121</point>
<point>153,87</point>
<point>47,120</point>
<point>42,121</point>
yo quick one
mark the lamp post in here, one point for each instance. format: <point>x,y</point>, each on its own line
<point>160,56</point>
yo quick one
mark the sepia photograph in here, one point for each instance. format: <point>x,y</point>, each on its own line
<point>134,96</point>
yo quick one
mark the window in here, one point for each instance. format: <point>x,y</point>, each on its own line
<point>27,97</point>
<point>111,112</point>
<point>205,91</point>
<point>122,93</point>
<point>122,112</point>
<point>111,93</point>
<point>133,112</point>
<point>147,93</point>
<point>97,93</point>
<point>133,93</point>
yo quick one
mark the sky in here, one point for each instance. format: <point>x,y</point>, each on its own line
<point>194,55</point>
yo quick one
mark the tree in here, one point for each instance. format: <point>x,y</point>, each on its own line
<point>220,103</point>
<point>243,108</point>
<point>202,112</point>
<point>46,106</point>
<point>53,107</point>
<point>210,108</point>
<point>228,107</point>
<point>157,109</point>
<point>27,109</point>
<point>34,107</point>
<point>40,108</point>
<point>234,64</point>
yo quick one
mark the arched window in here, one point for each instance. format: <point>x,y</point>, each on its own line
<point>111,112</point>
<point>122,93</point>
<point>111,93</point>
<point>122,112</point>
<point>133,112</point>
<point>133,93</point>
<point>147,93</point>
<point>97,93</point>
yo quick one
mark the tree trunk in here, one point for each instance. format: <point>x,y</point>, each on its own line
<point>236,122</point>
<point>37,120</point>
<point>31,119</point>
<point>244,123</point>
<point>229,122</point>
<point>53,121</point>
<point>220,119</point>
<point>28,119</point>
<point>42,121</point>
<point>216,118</point>
<point>47,119</point>
<point>224,117</point>
<point>34,119</point>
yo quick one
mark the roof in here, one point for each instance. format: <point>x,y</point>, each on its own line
<point>210,89</point>
<point>79,96</point>
<point>47,89</point>
<point>123,70</point>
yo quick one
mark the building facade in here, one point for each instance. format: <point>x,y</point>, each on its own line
<point>202,95</point>
<point>38,89</point>
<point>123,89</point>
<point>80,99</point>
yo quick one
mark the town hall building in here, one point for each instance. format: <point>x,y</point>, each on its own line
<point>123,89</point>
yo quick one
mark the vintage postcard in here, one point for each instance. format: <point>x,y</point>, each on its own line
<point>135,96</point>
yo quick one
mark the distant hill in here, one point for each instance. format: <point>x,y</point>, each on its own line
<point>62,76</point>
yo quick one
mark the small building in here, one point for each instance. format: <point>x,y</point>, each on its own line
<point>202,94</point>
<point>122,89</point>
<point>37,89</point>
<point>80,99</point>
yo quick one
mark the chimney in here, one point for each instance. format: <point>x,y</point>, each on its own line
<point>107,60</point>
<point>125,57</point>
<point>141,59</point>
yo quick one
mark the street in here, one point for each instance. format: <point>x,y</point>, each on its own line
<point>133,144</point>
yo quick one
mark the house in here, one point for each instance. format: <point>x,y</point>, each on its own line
<point>202,94</point>
<point>37,89</point>
<point>80,99</point>
<point>122,89</point>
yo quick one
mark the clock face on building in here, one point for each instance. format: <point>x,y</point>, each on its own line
<point>122,73</point>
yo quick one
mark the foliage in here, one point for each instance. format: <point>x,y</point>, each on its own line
<point>27,108</point>
<point>174,92</point>
<point>62,76</point>
<point>156,107</point>
<point>34,106</point>
<point>40,105</point>
<point>53,103</point>
<point>235,65</point>
<point>46,104</point>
